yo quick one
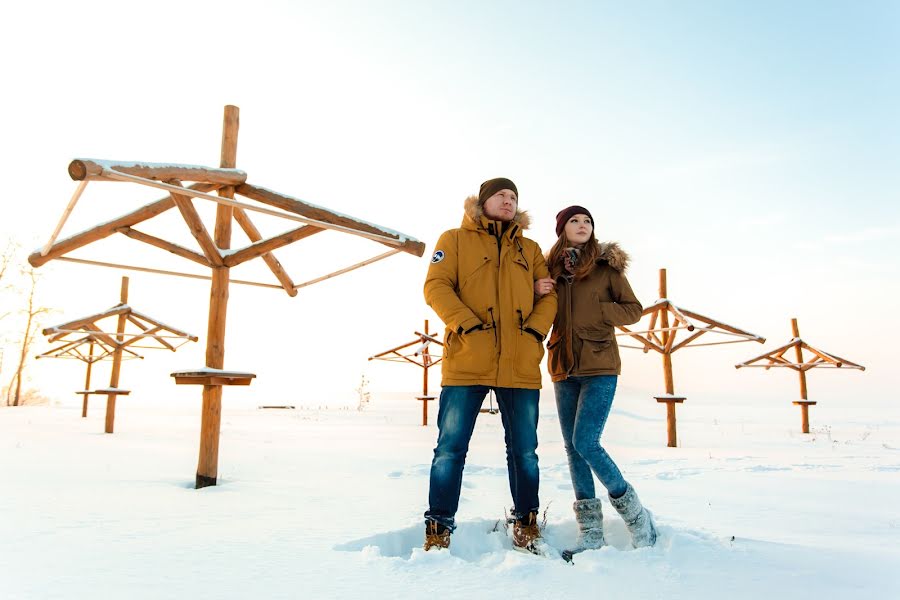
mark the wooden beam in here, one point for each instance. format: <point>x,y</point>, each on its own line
<point>167,246</point>
<point>711,321</point>
<point>323,215</point>
<point>36,259</point>
<point>78,323</point>
<point>168,328</point>
<point>274,265</point>
<point>146,329</point>
<point>86,169</point>
<point>348,269</point>
<point>197,228</point>
<point>262,247</point>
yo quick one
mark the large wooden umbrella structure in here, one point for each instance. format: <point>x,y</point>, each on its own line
<point>133,329</point>
<point>215,250</point>
<point>421,357</point>
<point>96,352</point>
<point>817,359</point>
<point>660,336</point>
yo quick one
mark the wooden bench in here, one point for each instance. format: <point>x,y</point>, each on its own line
<point>212,377</point>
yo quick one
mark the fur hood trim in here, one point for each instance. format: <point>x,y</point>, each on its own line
<point>475,211</point>
<point>614,255</point>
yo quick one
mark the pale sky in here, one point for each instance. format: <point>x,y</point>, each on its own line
<point>749,148</point>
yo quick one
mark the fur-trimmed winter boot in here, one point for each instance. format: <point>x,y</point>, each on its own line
<point>436,536</point>
<point>589,515</point>
<point>636,517</point>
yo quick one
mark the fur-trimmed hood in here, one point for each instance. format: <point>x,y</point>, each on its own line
<point>615,256</point>
<point>474,212</point>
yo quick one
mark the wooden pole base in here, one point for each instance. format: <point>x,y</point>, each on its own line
<point>671,423</point>
<point>804,413</point>
<point>425,400</point>
<point>204,481</point>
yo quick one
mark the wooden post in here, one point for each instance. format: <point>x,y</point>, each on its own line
<point>87,379</point>
<point>117,361</point>
<point>208,463</point>
<point>796,330</point>
<point>671,430</point>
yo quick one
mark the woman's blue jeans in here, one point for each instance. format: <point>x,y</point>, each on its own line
<point>459,406</point>
<point>583,404</point>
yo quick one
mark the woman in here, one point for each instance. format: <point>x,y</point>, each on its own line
<point>583,359</point>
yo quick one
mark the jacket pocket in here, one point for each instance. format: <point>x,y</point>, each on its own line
<point>472,353</point>
<point>529,353</point>
<point>598,352</point>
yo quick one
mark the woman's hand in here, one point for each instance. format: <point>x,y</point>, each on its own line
<point>544,286</point>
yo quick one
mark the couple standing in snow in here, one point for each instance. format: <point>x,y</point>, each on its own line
<point>498,296</point>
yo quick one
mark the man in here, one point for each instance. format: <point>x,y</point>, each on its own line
<point>481,284</point>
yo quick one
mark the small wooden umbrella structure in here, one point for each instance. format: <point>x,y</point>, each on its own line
<point>660,336</point>
<point>74,349</point>
<point>421,357</point>
<point>818,359</point>
<point>148,330</point>
<point>215,250</point>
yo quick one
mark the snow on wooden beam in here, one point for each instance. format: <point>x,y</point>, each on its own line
<point>88,169</point>
<point>323,215</point>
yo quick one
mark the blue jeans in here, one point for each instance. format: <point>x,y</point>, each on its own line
<point>458,410</point>
<point>583,404</point>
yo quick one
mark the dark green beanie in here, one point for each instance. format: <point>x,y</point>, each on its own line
<point>492,186</point>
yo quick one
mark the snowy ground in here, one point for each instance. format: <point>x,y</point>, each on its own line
<point>328,503</point>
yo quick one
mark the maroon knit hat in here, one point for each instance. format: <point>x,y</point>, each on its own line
<point>567,213</point>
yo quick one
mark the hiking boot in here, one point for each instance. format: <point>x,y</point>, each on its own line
<point>436,536</point>
<point>526,534</point>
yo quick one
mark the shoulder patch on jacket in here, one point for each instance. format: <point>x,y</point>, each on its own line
<point>438,256</point>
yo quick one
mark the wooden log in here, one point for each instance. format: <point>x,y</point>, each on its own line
<point>799,352</point>
<point>274,265</point>
<point>82,321</point>
<point>36,259</point>
<point>667,373</point>
<point>64,218</point>
<point>348,269</point>
<point>198,229</point>
<point>167,246</point>
<point>165,327</point>
<point>780,350</point>
<point>208,463</point>
<point>823,355</point>
<point>86,169</point>
<point>87,382</point>
<point>117,361</point>
<point>721,325</point>
<point>691,338</point>
<point>680,317</point>
<point>325,216</point>
<point>663,290</point>
<point>262,247</point>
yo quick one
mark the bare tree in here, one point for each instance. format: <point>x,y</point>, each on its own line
<point>31,312</point>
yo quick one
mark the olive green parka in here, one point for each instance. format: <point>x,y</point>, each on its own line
<point>583,340</point>
<point>482,275</point>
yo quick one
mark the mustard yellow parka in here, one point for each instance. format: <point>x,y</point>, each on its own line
<point>483,275</point>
